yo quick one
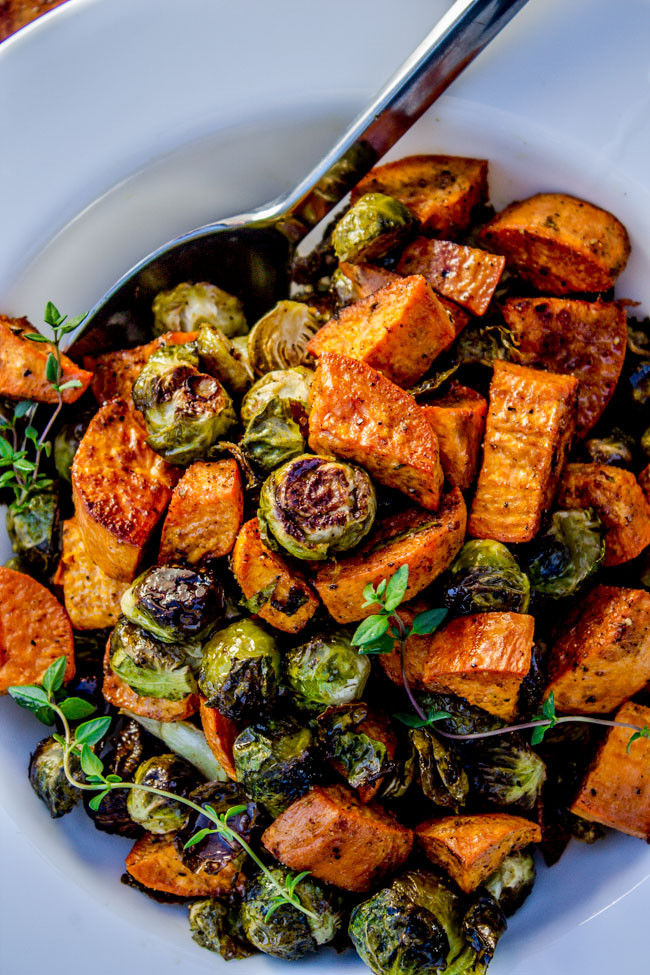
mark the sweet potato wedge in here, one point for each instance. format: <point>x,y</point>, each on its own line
<point>585,339</point>
<point>155,864</point>
<point>602,656</point>
<point>616,789</point>
<point>22,366</point>
<point>205,513</point>
<point>121,489</point>
<point>530,422</point>
<point>440,191</point>
<point>92,599</point>
<point>359,415</point>
<point>34,631</point>
<point>470,848</point>
<point>619,502</point>
<point>278,592</point>
<point>120,695</point>
<point>458,421</point>
<point>427,543</point>
<point>466,275</point>
<point>483,658</point>
<point>115,372</point>
<point>220,733</point>
<point>341,841</point>
<point>559,243</point>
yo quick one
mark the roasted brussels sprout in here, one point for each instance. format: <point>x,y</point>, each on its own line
<point>464,718</point>
<point>287,932</point>
<point>276,762</point>
<point>157,814</point>
<point>213,852</point>
<point>126,749</point>
<point>33,532</point>
<point>185,307</point>
<point>566,554</point>
<point>65,445</point>
<point>48,778</point>
<point>512,882</point>
<point>615,448</point>
<point>239,671</point>
<point>185,411</point>
<point>222,359</point>
<point>373,227</point>
<point>483,924</point>
<point>485,578</point>
<point>326,670</point>
<point>640,385</point>
<point>279,339</point>
<point>442,776</point>
<point>504,771</point>
<point>343,289</point>
<point>357,745</point>
<point>217,926</point>
<point>313,507</point>
<point>150,668</point>
<point>175,603</point>
<point>275,435</point>
<point>292,384</point>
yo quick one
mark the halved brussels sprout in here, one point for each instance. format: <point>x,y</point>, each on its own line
<point>274,435</point>
<point>615,449</point>
<point>276,762</point>
<point>158,814</point>
<point>375,225</point>
<point>33,531</point>
<point>184,307</point>
<point>485,578</point>
<point>286,932</point>
<point>512,882</point>
<point>504,771</point>
<point>566,554</point>
<point>213,852</point>
<point>239,671</point>
<point>442,776</point>
<point>313,507</point>
<point>279,339</point>
<point>344,735</point>
<point>222,359</point>
<point>65,445</point>
<point>175,603</point>
<point>292,384</point>
<point>48,779</point>
<point>150,668</point>
<point>326,670</point>
<point>217,926</point>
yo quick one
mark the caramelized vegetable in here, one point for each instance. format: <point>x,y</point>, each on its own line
<point>92,599</point>
<point>465,275</point>
<point>119,694</point>
<point>155,864</point>
<point>22,366</point>
<point>220,733</point>
<point>115,372</point>
<point>458,421</point>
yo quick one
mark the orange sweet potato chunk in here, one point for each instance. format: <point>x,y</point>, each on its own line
<point>398,330</point>
<point>559,243</point>
<point>339,839</point>
<point>602,656</point>
<point>530,422</point>
<point>120,695</point>
<point>458,421</point>
<point>616,789</point>
<point>470,848</point>
<point>416,650</point>
<point>220,733</point>
<point>465,275</point>
<point>92,599</point>
<point>619,502</point>
<point>115,372</point>
<point>22,366</point>
<point>357,414</point>
<point>155,864</point>
<point>427,543</point>
<point>440,191</point>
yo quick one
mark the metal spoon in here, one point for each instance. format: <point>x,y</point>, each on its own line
<point>250,254</point>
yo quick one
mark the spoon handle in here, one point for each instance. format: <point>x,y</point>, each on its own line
<point>459,35</point>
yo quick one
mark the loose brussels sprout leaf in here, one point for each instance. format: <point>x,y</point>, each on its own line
<point>326,670</point>
<point>65,446</point>
<point>217,926</point>
<point>184,307</point>
<point>175,603</point>
<point>464,718</point>
<point>221,358</point>
<point>373,227</point>
<point>485,578</point>
<point>505,771</point>
<point>566,554</point>
<point>123,754</point>
<point>361,757</point>
<point>293,384</point>
<point>211,854</point>
<point>313,507</point>
<point>157,814</point>
<point>483,343</point>
<point>442,776</point>
<point>397,785</point>
<point>239,671</point>
<point>279,339</point>
<point>640,385</point>
<point>482,927</point>
<point>276,762</point>
<point>287,932</point>
<point>615,449</point>
<point>48,778</point>
<point>512,882</point>
<point>150,668</point>
<point>583,830</point>
<point>33,532</point>
<point>274,435</point>
<point>186,740</point>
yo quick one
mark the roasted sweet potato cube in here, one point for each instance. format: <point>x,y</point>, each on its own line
<point>23,362</point>
<point>530,422</point>
<point>585,339</point>
<point>616,789</point>
<point>120,695</point>
<point>220,733</point>
<point>121,489</point>
<point>341,841</point>
<point>427,543</point>
<point>559,243</point>
<point>465,275</point>
<point>398,330</point>
<point>619,502</point>
<point>155,864</point>
<point>92,599</point>
<point>470,848</point>
<point>276,591</point>
<point>458,421</point>
<point>602,656</point>
<point>205,513</point>
<point>440,191</point>
<point>359,415</point>
<point>115,372</point>
<point>416,650</point>
<point>483,658</point>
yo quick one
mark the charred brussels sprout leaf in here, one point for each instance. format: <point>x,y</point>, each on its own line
<point>239,670</point>
<point>217,926</point>
<point>327,670</point>
<point>569,552</point>
<point>464,718</point>
<point>505,771</point>
<point>66,443</point>
<point>275,762</point>
<point>482,344</point>
<point>222,359</point>
<point>442,776</point>
<point>292,384</point>
<point>211,854</point>
<point>483,924</point>
<point>640,385</point>
<point>175,603</point>
<point>33,532</point>
<point>313,507</point>
<point>615,448</point>
<point>48,778</point>
<point>185,307</point>
<point>274,435</point>
<point>157,814</point>
<point>150,668</point>
<point>373,227</point>
<point>512,882</point>
<point>279,339</point>
<point>346,739</point>
<point>124,753</point>
<point>485,578</point>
